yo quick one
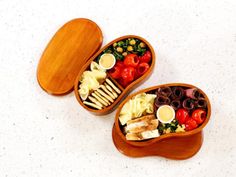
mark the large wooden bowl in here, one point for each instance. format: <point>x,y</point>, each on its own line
<point>172,145</point>
<point>124,91</point>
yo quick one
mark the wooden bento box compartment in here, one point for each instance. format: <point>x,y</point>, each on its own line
<point>124,90</point>
<point>179,145</point>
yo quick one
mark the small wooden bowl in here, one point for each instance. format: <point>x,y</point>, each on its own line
<point>173,145</point>
<point>124,91</point>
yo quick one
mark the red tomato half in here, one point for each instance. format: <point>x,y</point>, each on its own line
<point>142,68</point>
<point>131,60</point>
<point>123,82</point>
<point>146,58</point>
<point>128,74</point>
<point>115,72</point>
<point>190,124</point>
<point>199,116</point>
<point>119,63</point>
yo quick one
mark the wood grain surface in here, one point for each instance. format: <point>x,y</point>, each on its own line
<point>174,147</point>
<point>69,49</point>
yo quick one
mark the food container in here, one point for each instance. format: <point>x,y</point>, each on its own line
<point>171,145</point>
<point>74,53</point>
<point>70,53</point>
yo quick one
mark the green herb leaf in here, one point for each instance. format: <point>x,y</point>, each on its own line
<point>120,43</point>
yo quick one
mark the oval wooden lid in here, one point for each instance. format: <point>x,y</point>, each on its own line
<point>69,49</point>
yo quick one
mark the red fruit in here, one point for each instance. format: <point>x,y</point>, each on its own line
<point>199,116</point>
<point>115,72</point>
<point>182,115</point>
<point>123,82</point>
<point>119,63</point>
<point>142,68</point>
<point>146,58</point>
<point>136,74</point>
<point>128,74</point>
<point>131,60</point>
<point>190,124</point>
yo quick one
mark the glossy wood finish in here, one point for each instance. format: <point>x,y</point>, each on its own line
<point>126,90</point>
<point>69,49</point>
<point>180,140</point>
<point>174,148</point>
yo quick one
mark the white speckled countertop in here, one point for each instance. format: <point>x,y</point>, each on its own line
<point>44,135</point>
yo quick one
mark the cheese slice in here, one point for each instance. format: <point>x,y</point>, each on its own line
<point>95,66</point>
<point>84,92</point>
<point>90,80</point>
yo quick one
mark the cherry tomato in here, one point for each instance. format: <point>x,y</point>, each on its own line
<point>136,74</point>
<point>119,63</point>
<point>142,68</point>
<point>115,72</point>
<point>199,116</point>
<point>128,74</point>
<point>190,124</point>
<point>123,82</point>
<point>131,60</point>
<point>146,58</point>
<point>182,115</point>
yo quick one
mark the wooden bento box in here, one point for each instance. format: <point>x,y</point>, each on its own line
<point>165,120</point>
<point>72,59</point>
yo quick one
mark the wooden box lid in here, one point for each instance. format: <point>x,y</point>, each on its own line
<point>69,49</point>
